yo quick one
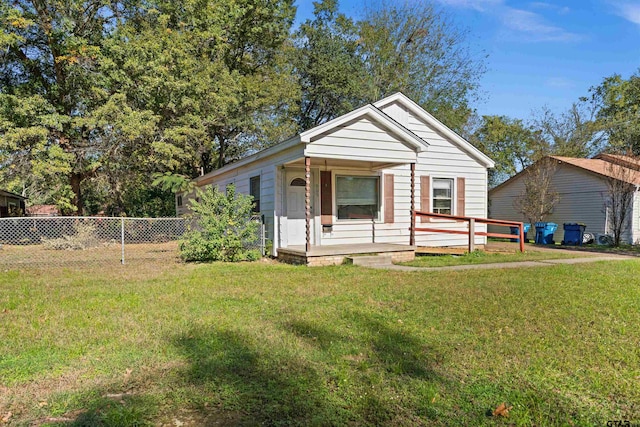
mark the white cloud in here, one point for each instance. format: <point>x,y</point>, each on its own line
<point>534,26</point>
<point>560,83</point>
<point>479,5</point>
<point>560,10</point>
<point>529,26</point>
<point>629,11</point>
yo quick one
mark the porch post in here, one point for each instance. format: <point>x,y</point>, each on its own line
<point>412,228</point>
<point>307,202</point>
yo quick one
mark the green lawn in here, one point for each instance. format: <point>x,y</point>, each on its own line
<point>481,257</point>
<point>273,344</point>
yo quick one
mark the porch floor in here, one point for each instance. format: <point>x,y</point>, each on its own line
<point>336,254</point>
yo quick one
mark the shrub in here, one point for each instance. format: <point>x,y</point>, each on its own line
<point>223,229</point>
<point>84,237</point>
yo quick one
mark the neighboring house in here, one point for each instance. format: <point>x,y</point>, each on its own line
<point>358,170</point>
<point>11,204</point>
<point>583,194</point>
<point>43,210</point>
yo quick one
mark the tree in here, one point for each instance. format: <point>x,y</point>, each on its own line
<point>59,125</point>
<point>417,49</point>
<point>573,133</point>
<point>51,97</point>
<point>330,71</point>
<point>414,48</point>
<point>510,143</point>
<point>538,197</point>
<point>213,75</point>
<point>618,102</point>
<point>621,190</point>
<point>95,95</point>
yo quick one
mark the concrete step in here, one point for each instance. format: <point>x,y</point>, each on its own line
<point>370,260</point>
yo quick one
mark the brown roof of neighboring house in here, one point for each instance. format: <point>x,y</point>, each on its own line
<point>626,161</point>
<point>43,210</point>
<point>595,165</point>
<point>604,168</point>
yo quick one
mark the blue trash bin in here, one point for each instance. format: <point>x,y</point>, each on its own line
<point>573,233</point>
<point>516,231</point>
<point>544,232</point>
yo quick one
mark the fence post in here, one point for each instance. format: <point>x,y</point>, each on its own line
<point>472,239</point>
<point>263,242</point>
<point>521,227</point>
<point>122,239</point>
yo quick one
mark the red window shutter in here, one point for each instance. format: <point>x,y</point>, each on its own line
<point>460,197</point>
<point>326,198</point>
<point>389,199</point>
<point>425,197</point>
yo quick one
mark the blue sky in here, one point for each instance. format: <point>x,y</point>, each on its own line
<point>540,53</point>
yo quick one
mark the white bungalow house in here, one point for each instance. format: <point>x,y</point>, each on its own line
<point>350,185</point>
<point>583,189</point>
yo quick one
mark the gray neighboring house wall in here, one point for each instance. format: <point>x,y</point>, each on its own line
<point>582,187</point>
<point>373,146</point>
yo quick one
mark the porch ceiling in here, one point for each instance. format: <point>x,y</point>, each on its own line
<point>341,163</point>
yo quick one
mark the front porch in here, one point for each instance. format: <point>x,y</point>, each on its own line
<point>335,254</point>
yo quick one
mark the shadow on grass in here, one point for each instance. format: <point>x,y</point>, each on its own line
<point>393,373</point>
<point>264,384</point>
<point>299,375</point>
<point>105,410</point>
<point>359,369</point>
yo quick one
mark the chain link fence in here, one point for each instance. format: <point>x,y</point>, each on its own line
<point>66,241</point>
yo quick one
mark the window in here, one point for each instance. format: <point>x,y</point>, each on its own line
<point>254,190</point>
<point>179,201</point>
<point>357,197</point>
<point>443,196</point>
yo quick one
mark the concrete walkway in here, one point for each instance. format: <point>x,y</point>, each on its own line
<point>522,264</point>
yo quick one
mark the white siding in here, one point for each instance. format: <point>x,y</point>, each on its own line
<point>582,199</point>
<point>362,140</point>
<point>442,159</point>
<point>635,220</point>
<point>266,168</point>
<point>369,143</point>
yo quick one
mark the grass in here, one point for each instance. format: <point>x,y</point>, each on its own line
<point>481,257</point>
<point>272,344</point>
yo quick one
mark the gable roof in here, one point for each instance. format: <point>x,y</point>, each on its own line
<point>379,117</point>
<point>436,124</point>
<point>373,113</point>
<point>596,166</point>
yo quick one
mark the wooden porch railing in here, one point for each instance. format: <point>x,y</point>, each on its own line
<point>472,222</point>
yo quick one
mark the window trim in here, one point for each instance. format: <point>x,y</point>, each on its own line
<point>452,198</point>
<point>346,174</point>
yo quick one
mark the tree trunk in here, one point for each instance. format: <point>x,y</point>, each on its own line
<point>75,180</point>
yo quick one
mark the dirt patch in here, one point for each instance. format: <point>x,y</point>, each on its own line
<point>509,247</point>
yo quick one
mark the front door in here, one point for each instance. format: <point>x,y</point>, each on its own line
<point>296,226</point>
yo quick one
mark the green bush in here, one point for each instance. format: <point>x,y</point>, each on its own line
<point>222,228</point>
